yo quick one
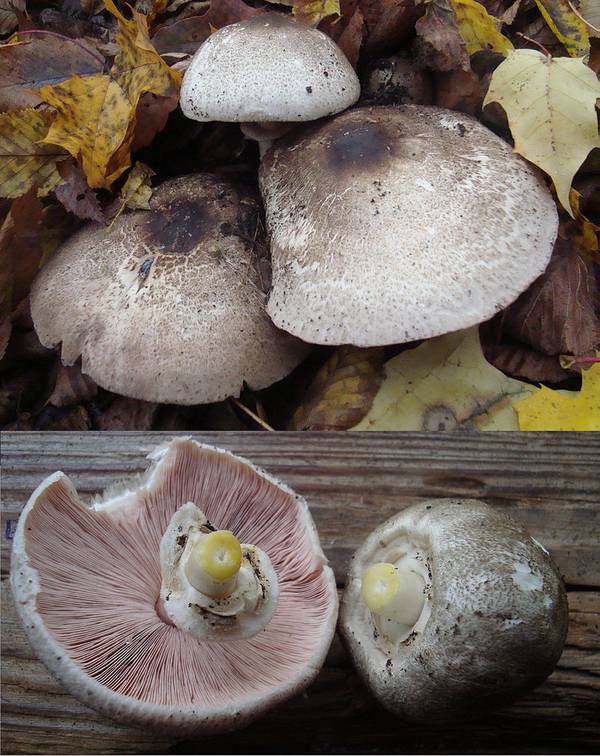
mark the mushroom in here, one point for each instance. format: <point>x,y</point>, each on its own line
<point>194,598</point>
<point>395,224</point>
<point>450,607</point>
<point>267,72</point>
<point>167,305</point>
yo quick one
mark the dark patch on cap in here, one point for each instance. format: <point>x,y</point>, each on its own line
<point>359,144</point>
<point>178,229</point>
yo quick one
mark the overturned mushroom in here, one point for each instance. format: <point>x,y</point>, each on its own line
<point>147,606</point>
<point>394,224</point>
<point>167,305</point>
<point>266,72</point>
<point>451,607</point>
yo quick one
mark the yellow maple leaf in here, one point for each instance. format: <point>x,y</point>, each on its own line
<point>24,162</point>
<point>444,384</point>
<point>311,11</point>
<point>568,28</point>
<point>96,115</point>
<point>548,410</point>
<point>479,30</point>
<point>551,108</point>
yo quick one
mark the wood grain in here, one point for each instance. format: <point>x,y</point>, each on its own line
<point>550,482</point>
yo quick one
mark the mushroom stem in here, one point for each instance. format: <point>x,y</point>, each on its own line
<point>392,594</point>
<point>214,563</point>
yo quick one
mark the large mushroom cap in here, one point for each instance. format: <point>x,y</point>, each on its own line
<point>87,582</point>
<point>494,617</point>
<point>166,305</point>
<point>268,68</point>
<point>394,224</point>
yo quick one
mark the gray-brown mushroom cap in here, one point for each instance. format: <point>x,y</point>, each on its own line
<point>167,305</point>
<point>268,68</point>
<point>494,620</point>
<point>394,224</point>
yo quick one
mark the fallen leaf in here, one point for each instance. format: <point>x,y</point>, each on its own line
<point>151,117</point>
<point>136,191</point>
<point>72,387</point>
<point>39,60</point>
<point>548,410</point>
<point>479,30</point>
<point>75,195</point>
<point>580,231</point>
<point>558,312</point>
<point>185,34</point>
<point>590,11</point>
<point>125,414</point>
<point>24,161</point>
<point>11,12</point>
<point>350,40</point>
<point>568,28</point>
<point>5,331</point>
<point>96,115</point>
<point>442,45</point>
<point>311,11</point>
<point>444,384</point>
<point>63,419</point>
<point>458,90</point>
<point>389,23</point>
<point>522,362</point>
<point>342,391</point>
<point>551,108</point>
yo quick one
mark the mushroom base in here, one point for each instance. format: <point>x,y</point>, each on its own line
<point>244,612</point>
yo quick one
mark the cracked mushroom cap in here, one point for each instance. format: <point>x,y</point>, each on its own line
<point>167,305</point>
<point>88,581</point>
<point>395,224</point>
<point>493,611</point>
<point>268,68</point>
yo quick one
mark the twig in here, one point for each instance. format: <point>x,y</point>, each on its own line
<point>536,43</point>
<point>253,415</point>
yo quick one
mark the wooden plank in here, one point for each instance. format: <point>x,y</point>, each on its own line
<point>352,482</point>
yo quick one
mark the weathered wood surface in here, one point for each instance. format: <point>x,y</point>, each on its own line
<point>550,482</point>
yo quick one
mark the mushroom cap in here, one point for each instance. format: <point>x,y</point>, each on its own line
<point>394,224</point>
<point>498,612</point>
<point>86,582</point>
<point>268,68</point>
<point>166,305</point>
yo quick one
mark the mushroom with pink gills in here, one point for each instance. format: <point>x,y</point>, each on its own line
<point>392,224</point>
<point>167,305</point>
<point>195,597</point>
<point>450,608</point>
<point>267,73</point>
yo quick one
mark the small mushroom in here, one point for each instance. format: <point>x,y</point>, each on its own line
<point>451,607</point>
<point>194,598</point>
<point>167,305</point>
<point>265,73</point>
<point>395,224</point>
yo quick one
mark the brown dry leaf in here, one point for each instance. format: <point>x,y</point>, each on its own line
<point>389,24</point>
<point>440,43</point>
<point>126,414</point>
<point>580,231</point>
<point>557,314</point>
<point>11,12</point>
<point>75,195</point>
<point>24,161</point>
<point>459,90</point>
<point>63,419</point>
<point>342,392</point>
<point>39,60</point>
<point>186,33</point>
<point>350,40</point>
<point>151,117</point>
<point>72,387</point>
<point>96,115</point>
